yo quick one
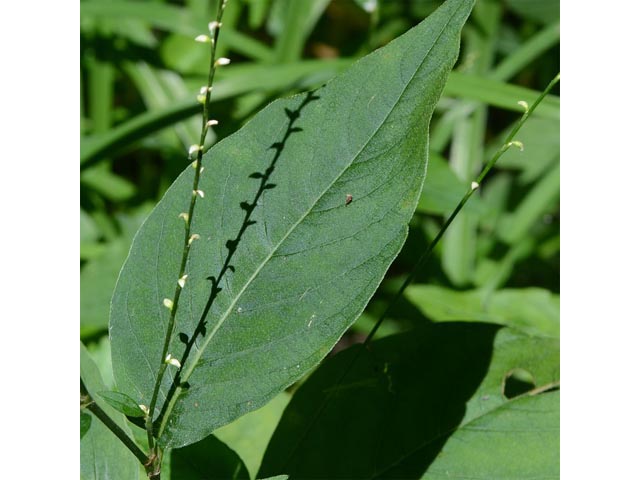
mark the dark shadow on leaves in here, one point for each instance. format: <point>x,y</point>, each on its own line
<point>208,459</point>
<point>392,413</point>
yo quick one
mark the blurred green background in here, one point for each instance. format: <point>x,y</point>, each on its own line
<point>141,71</point>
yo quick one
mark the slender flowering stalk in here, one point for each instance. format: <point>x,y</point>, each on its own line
<point>197,150</point>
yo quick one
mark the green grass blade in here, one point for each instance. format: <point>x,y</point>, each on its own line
<point>527,53</point>
<point>500,94</point>
<point>235,80</point>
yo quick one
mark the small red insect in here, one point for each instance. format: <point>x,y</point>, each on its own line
<point>349,199</point>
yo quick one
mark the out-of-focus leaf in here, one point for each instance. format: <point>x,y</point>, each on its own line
<point>89,231</point>
<point>406,399</point>
<point>249,435</point>
<point>111,186</point>
<point>527,52</point>
<point>173,19</point>
<point>459,244</point>
<point>533,310</point>
<point>161,89</point>
<point>500,94</point>
<point>101,87</point>
<point>102,454</point>
<point>306,258</point>
<point>541,140</point>
<point>258,10</point>
<point>97,280</point>
<point>100,352</point>
<point>459,241</point>
<point>232,81</point>
<point>98,277</point>
<point>542,198</point>
<point>291,22</point>
<point>543,11</point>
<point>492,274</point>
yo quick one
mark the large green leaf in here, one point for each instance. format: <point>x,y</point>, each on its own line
<point>102,454</point>
<point>408,400</point>
<point>284,264</point>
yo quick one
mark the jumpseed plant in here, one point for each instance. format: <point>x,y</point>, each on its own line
<point>266,250</point>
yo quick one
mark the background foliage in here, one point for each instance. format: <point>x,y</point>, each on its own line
<point>498,264</point>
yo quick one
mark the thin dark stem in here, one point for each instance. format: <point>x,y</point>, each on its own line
<point>474,186</point>
<point>188,238</point>
<point>88,403</point>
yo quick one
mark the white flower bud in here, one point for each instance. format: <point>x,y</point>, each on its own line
<point>169,360</point>
<point>516,143</point>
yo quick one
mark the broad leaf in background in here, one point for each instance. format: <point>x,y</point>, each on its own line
<point>520,440</point>
<point>533,310</point>
<point>249,435</point>
<point>102,454</point>
<point>284,263</point>
<point>407,397</point>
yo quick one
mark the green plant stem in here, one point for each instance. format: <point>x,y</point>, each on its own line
<point>187,235</point>
<point>86,401</point>
<point>427,253</point>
